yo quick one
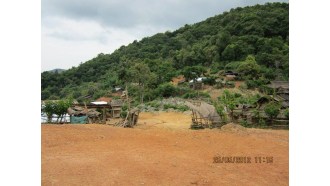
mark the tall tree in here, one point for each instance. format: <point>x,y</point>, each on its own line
<point>249,68</point>
<point>140,73</point>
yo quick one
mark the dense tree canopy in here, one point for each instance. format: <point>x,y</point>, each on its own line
<point>261,31</point>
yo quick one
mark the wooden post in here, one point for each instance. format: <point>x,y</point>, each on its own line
<point>127,99</point>
<point>104,116</point>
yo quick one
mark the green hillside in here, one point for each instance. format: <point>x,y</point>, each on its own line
<point>253,41</point>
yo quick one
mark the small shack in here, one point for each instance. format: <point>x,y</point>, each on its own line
<point>116,108</point>
<point>83,115</point>
<point>278,87</point>
<point>281,91</point>
<point>197,83</point>
<point>230,75</point>
<point>204,115</point>
<point>98,111</point>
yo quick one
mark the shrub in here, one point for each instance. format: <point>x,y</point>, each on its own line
<point>256,83</point>
<point>219,85</point>
<point>214,70</point>
<point>124,107</point>
<point>182,108</point>
<point>250,84</point>
<point>123,114</point>
<point>243,86</point>
<point>209,81</point>
<point>166,90</point>
<point>196,95</point>
<point>262,123</point>
<point>230,84</point>
<point>220,110</point>
<point>167,106</point>
<point>244,123</point>
<point>154,104</point>
<point>272,110</point>
<point>286,113</point>
<point>151,94</point>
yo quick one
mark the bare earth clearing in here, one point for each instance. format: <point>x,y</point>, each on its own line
<point>160,150</point>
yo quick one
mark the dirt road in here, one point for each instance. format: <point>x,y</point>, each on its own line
<point>161,150</point>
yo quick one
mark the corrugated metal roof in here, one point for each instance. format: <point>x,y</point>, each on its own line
<point>99,102</point>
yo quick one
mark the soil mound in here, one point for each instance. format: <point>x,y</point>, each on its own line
<point>232,127</point>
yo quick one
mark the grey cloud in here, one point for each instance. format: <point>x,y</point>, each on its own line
<point>130,13</point>
<point>69,36</point>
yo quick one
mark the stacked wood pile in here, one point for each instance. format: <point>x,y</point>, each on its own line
<point>130,120</point>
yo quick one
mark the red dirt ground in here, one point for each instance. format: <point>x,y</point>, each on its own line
<point>161,150</point>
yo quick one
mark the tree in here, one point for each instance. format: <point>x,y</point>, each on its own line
<point>192,72</point>
<point>49,110</point>
<point>223,40</point>
<point>249,68</point>
<point>141,74</point>
<point>230,101</point>
<point>166,90</point>
<point>56,107</point>
<point>60,109</point>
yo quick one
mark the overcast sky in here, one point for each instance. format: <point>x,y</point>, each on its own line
<point>74,31</point>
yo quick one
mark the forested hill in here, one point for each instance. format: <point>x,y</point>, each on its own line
<point>253,40</point>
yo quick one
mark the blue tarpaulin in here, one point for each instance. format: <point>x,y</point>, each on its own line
<point>78,119</point>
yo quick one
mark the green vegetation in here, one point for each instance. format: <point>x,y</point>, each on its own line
<point>56,107</point>
<point>286,113</point>
<point>165,104</point>
<point>253,41</point>
<point>272,110</point>
<point>181,108</point>
<point>195,94</point>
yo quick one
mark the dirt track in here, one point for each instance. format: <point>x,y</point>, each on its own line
<point>161,150</point>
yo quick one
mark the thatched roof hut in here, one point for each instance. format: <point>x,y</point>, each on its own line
<point>279,85</point>
<point>205,111</point>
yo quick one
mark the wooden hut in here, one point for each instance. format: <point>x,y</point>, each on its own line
<point>116,108</point>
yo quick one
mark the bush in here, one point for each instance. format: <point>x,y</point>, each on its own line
<point>214,70</point>
<point>256,83</point>
<point>272,110</point>
<point>151,94</point>
<point>243,86</point>
<point>262,123</point>
<point>250,84</point>
<point>167,106</point>
<point>286,113</point>
<point>166,90</point>
<point>233,65</point>
<point>219,85</point>
<point>124,107</point>
<point>154,104</point>
<point>123,114</point>
<point>190,95</point>
<point>220,110</point>
<point>244,123</point>
<point>181,108</point>
<point>230,84</point>
<point>209,81</point>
